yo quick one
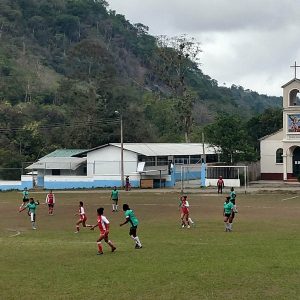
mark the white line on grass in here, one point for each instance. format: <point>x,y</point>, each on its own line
<point>290,198</point>
<point>15,230</point>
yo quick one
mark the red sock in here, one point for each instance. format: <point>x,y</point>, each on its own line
<point>99,246</point>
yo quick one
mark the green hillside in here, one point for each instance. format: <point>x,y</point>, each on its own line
<point>67,65</point>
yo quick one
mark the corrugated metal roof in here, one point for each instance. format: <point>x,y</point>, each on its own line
<point>57,163</point>
<point>64,152</point>
<point>165,149</point>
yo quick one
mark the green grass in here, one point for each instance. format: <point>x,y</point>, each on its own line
<point>259,260</point>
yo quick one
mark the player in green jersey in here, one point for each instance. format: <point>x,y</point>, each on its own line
<point>228,213</point>
<point>32,205</point>
<point>114,196</point>
<point>131,218</point>
<point>25,197</point>
<point>232,196</point>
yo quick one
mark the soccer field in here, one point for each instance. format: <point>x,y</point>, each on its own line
<point>260,259</point>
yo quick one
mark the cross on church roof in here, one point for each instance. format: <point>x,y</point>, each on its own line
<point>295,66</point>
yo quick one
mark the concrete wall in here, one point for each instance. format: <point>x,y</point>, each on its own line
<point>26,181</point>
<point>107,161</point>
<point>268,149</point>
<point>227,182</point>
<point>86,182</point>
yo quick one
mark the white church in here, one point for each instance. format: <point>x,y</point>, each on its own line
<point>280,152</point>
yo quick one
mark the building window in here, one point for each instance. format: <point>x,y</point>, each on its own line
<point>55,172</point>
<point>182,160</point>
<point>149,160</point>
<point>294,98</point>
<point>279,158</point>
<point>162,160</point>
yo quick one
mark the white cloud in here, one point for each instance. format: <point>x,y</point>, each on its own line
<point>248,43</point>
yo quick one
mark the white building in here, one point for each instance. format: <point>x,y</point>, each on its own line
<point>280,152</point>
<point>145,163</point>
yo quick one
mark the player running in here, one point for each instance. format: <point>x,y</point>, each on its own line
<point>82,217</point>
<point>227,213</point>
<point>25,198</point>
<point>103,225</point>
<point>114,196</point>
<point>131,218</point>
<point>32,205</point>
<point>50,201</point>
<point>185,212</point>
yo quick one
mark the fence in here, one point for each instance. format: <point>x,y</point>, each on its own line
<point>190,176</point>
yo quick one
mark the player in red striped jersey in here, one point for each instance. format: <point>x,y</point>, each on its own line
<point>82,217</point>
<point>185,212</point>
<point>103,225</point>
<point>50,201</point>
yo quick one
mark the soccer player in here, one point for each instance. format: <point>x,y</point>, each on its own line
<point>220,185</point>
<point>82,217</point>
<point>185,212</point>
<point>25,198</point>
<point>131,218</point>
<point>127,184</point>
<point>232,196</point>
<point>103,225</point>
<point>31,207</point>
<point>50,201</point>
<point>114,196</point>
<point>227,213</point>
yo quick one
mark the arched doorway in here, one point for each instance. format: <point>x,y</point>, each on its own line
<point>296,162</point>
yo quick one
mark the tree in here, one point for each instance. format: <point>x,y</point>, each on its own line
<point>178,56</point>
<point>229,134</point>
<point>264,124</point>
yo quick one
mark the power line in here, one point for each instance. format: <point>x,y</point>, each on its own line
<point>62,125</point>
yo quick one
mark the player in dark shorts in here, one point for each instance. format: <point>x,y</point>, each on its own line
<point>131,218</point>
<point>228,214</point>
<point>25,198</point>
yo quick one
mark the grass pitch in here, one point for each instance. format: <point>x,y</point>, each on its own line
<point>258,260</point>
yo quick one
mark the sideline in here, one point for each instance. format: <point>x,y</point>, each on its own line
<point>290,198</point>
<point>15,230</point>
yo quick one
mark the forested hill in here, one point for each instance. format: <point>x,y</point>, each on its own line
<point>66,66</point>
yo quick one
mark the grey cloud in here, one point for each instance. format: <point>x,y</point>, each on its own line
<point>248,43</point>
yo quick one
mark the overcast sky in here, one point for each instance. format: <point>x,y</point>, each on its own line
<point>251,43</point>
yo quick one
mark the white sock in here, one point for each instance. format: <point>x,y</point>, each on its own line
<point>116,207</point>
<point>230,226</point>
<point>226,226</point>
<point>191,221</point>
<point>138,241</point>
<point>113,206</point>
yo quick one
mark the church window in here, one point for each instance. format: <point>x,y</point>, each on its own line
<point>279,158</point>
<point>294,98</point>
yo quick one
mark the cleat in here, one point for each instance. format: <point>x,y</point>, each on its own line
<point>99,253</point>
<point>136,246</point>
<point>182,226</point>
<point>76,232</point>
<point>188,226</point>
<point>113,249</point>
<point>33,228</point>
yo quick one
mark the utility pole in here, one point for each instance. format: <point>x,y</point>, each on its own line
<point>122,147</point>
<point>203,148</point>
<point>122,153</point>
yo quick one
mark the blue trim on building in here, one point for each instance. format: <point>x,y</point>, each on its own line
<point>19,187</point>
<point>86,185</point>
